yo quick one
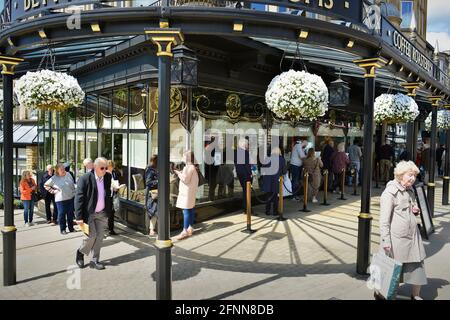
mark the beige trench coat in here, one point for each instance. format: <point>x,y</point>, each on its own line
<point>398,225</point>
<point>187,188</point>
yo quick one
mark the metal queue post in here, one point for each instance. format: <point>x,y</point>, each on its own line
<point>305,192</point>
<point>280,200</point>
<point>342,185</point>
<point>249,208</point>
<point>325,188</point>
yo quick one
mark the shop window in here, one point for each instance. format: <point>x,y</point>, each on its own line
<point>134,165</point>
<point>91,145</point>
<point>137,108</point>
<point>407,11</point>
<point>120,108</point>
<point>105,111</point>
<point>91,111</point>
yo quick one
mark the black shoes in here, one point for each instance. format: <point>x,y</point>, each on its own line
<point>96,265</point>
<point>112,233</point>
<point>378,296</point>
<point>80,259</point>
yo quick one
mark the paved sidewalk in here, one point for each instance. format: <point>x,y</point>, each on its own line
<point>309,256</point>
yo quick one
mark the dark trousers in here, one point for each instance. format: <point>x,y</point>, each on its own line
<point>111,221</point>
<point>337,182</point>
<point>296,176</point>
<point>272,203</point>
<point>243,182</point>
<point>65,208</point>
<point>49,199</point>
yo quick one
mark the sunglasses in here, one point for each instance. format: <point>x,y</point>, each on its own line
<point>103,168</point>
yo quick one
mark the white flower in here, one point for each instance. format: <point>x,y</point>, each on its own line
<point>46,89</point>
<point>297,95</point>
<point>395,108</point>
<point>443,120</point>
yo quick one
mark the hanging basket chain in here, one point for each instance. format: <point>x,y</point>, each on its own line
<point>48,58</point>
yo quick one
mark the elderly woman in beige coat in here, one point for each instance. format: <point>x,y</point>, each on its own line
<point>186,195</point>
<point>400,236</point>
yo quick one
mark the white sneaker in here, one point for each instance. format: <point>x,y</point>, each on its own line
<point>26,224</point>
<point>31,224</point>
<point>314,200</point>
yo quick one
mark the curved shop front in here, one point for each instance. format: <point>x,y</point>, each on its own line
<point>218,82</point>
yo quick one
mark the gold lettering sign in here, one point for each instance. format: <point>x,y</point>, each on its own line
<point>26,5</point>
<point>35,3</point>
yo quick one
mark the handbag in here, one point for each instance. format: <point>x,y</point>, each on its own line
<point>201,177</point>
<point>116,203</point>
<point>385,275</point>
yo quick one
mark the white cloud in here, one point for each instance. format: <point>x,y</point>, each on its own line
<point>442,37</point>
<point>438,15</point>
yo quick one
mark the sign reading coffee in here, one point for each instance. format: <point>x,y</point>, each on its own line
<point>350,10</point>
<point>393,37</point>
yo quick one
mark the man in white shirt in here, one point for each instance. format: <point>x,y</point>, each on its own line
<point>297,156</point>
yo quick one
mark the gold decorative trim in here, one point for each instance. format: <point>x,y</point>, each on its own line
<point>163,244</point>
<point>365,216</point>
<point>164,24</point>
<point>238,27</point>
<point>95,27</point>
<point>350,43</point>
<point>430,184</point>
<point>9,229</point>
<point>233,106</point>
<point>9,64</point>
<point>435,100</point>
<point>370,65</point>
<point>446,178</point>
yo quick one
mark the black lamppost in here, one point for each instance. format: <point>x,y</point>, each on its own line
<point>9,230</point>
<point>411,136</point>
<point>431,189</point>
<point>365,218</point>
<point>164,38</point>
<point>446,178</point>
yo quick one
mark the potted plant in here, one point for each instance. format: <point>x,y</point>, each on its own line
<point>395,108</point>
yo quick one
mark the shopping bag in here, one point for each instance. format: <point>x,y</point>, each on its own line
<point>385,275</point>
<point>287,186</point>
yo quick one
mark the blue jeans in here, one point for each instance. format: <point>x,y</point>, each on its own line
<point>65,208</point>
<point>295,171</point>
<point>188,218</point>
<point>357,166</point>
<point>28,209</point>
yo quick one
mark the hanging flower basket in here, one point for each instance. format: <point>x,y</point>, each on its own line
<point>48,90</point>
<point>297,95</point>
<point>395,108</point>
<point>443,120</point>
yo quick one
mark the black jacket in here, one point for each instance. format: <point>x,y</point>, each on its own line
<point>86,196</point>
<point>242,164</point>
<point>44,179</point>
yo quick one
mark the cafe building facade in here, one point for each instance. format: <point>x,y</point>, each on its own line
<point>230,53</point>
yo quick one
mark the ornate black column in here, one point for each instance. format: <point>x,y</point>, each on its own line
<point>431,189</point>
<point>9,230</point>
<point>365,218</point>
<point>411,135</point>
<point>446,178</point>
<point>164,38</point>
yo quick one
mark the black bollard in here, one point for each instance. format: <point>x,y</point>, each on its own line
<point>249,209</point>
<point>325,188</point>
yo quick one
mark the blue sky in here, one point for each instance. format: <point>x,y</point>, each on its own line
<point>439,23</point>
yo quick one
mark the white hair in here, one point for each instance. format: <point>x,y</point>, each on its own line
<point>49,167</point>
<point>404,167</point>
<point>100,160</point>
<point>86,161</point>
<point>341,147</point>
<point>243,143</point>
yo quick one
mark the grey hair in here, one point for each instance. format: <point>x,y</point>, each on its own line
<point>49,167</point>
<point>100,160</point>
<point>404,167</point>
<point>86,161</point>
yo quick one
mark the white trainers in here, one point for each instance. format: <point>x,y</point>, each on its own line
<point>314,200</point>
<point>31,224</point>
<point>26,224</point>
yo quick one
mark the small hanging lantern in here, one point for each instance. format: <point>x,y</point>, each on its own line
<point>184,67</point>
<point>339,91</point>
